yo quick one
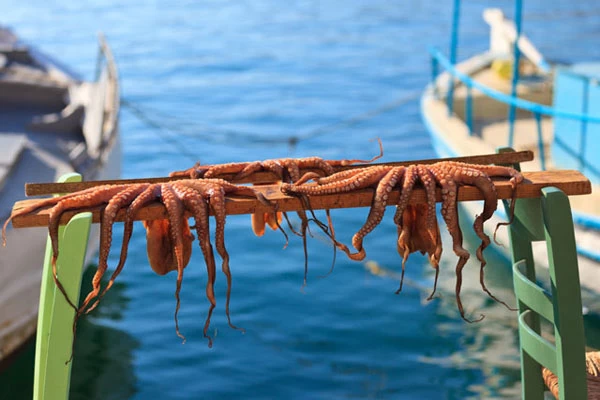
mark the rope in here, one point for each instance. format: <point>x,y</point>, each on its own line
<point>357,119</point>
<point>170,132</point>
<point>163,131</point>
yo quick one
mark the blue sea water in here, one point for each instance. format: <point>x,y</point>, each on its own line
<point>229,81</point>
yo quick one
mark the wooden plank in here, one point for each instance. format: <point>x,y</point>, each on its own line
<point>570,181</point>
<point>36,189</point>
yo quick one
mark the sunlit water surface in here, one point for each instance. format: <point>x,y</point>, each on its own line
<point>229,81</point>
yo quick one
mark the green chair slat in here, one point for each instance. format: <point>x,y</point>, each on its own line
<point>540,349</point>
<point>534,296</point>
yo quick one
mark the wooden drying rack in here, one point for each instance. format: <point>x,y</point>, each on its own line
<point>569,181</point>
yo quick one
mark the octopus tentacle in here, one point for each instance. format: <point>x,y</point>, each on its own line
<point>405,217</point>
<point>493,170</point>
<point>433,230</point>
<point>349,182</point>
<point>307,177</point>
<point>487,188</point>
<point>409,178</point>
<point>304,228</point>
<point>360,180</point>
<point>335,177</point>
<point>511,217</point>
<point>197,171</point>
<point>403,240</point>
<point>428,180</point>
<point>122,199</point>
<point>149,194</point>
<point>402,219</point>
<point>334,242</point>
<point>434,260</point>
<point>214,170</point>
<point>197,206</point>
<point>88,199</point>
<point>292,169</point>
<point>516,178</point>
<point>474,175</point>
<point>499,171</point>
<point>327,229</point>
<point>377,157</point>
<point>51,201</point>
<point>217,203</point>
<point>450,215</point>
<point>385,186</point>
<point>247,170</point>
<point>175,211</point>
<point>274,219</point>
<point>326,167</point>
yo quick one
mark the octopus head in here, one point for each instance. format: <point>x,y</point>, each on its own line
<point>420,237</point>
<point>161,249</point>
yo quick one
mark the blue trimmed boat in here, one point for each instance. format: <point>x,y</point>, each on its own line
<point>510,96</point>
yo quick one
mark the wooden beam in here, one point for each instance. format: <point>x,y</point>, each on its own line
<point>570,182</point>
<point>36,189</point>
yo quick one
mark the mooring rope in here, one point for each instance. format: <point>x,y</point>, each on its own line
<point>171,132</point>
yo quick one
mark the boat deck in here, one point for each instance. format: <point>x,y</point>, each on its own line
<point>532,88</point>
<point>490,124</point>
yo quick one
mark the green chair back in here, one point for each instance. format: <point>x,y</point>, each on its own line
<point>54,339</point>
<point>548,219</point>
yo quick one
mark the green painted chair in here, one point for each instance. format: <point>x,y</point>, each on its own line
<point>559,365</point>
<point>54,339</point>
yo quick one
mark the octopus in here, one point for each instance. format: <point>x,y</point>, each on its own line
<point>169,241</point>
<point>414,234</point>
<point>286,170</point>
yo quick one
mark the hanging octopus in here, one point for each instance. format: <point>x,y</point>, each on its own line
<point>413,234</point>
<point>169,241</point>
<point>287,170</point>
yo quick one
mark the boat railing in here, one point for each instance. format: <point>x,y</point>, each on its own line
<point>537,110</point>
